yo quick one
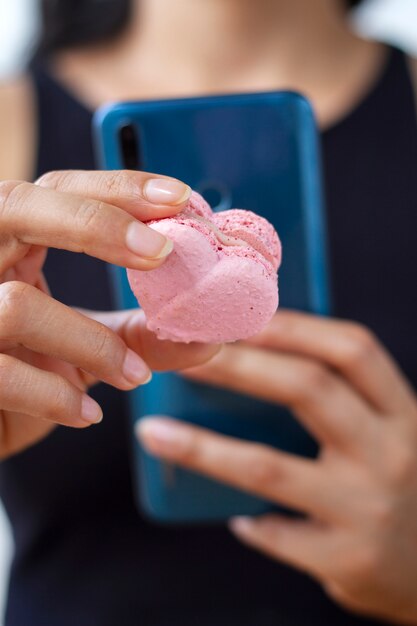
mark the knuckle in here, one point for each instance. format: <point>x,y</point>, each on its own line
<point>104,345</point>
<point>312,383</point>
<point>13,300</point>
<point>360,346</point>
<point>402,466</point>
<point>87,215</point>
<point>193,454</point>
<point>384,512</point>
<point>9,189</point>
<point>263,471</point>
<point>60,402</point>
<point>119,184</point>
<point>315,377</point>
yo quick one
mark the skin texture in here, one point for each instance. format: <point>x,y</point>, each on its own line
<point>304,45</point>
<point>360,496</point>
<point>45,373</point>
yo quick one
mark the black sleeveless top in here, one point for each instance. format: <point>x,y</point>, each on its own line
<point>84,556</point>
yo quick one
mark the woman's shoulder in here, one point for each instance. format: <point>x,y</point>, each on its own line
<point>17,128</point>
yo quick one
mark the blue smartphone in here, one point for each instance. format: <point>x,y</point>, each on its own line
<point>250,151</point>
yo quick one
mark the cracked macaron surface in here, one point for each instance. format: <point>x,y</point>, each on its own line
<point>220,282</point>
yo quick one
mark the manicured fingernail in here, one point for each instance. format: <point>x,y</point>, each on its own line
<point>147,242</point>
<point>166,191</point>
<point>241,525</point>
<point>163,436</point>
<point>90,411</point>
<point>135,369</point>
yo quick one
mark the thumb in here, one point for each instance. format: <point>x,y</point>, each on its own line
<point>159,355</point>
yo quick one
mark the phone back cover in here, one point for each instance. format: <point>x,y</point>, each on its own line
<point>256,152</point>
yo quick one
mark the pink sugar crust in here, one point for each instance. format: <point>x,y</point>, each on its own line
<point>244,225</point>
<point>198,206</point>
<point>254,229</point>
<point>206,291</point>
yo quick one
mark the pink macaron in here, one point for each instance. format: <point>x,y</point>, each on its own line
<point>220,282</point>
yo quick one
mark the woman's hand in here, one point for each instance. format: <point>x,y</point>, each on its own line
<point>359,536</point>
<point>50,353</point>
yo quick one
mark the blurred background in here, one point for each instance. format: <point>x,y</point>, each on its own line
<point>394,21</point>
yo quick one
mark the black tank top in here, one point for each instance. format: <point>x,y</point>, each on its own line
<point>84,555</point>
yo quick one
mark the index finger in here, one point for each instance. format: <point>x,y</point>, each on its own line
<point>35,215</point>
<point>145,196</point>
<point>347,347</point>
<point>252,467</point>
<point>160,355</point>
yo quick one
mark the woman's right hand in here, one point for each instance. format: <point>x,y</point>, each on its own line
<point>49,353</point>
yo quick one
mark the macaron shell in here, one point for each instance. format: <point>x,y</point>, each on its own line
<point>193,257</point>
<point>219,284</point>
<point>252,228</point>
<point>244,304</point>
<point>199,206</point>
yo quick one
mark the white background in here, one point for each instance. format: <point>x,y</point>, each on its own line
<point>392,20</point>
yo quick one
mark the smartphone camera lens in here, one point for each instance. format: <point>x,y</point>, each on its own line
<point>216,194</point>
<point>129,143</point>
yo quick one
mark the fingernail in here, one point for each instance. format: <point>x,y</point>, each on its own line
<point>135,369</point>
<point>90,411</point>
<point>147,242</point>
<point>148,379</point>
<point>241,525</point>
<point>162,436</point>
<point>166,191</point>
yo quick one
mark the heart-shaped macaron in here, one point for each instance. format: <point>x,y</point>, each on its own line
<point>220,282</point>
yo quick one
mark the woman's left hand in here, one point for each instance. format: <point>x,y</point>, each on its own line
<point>359,536</point>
